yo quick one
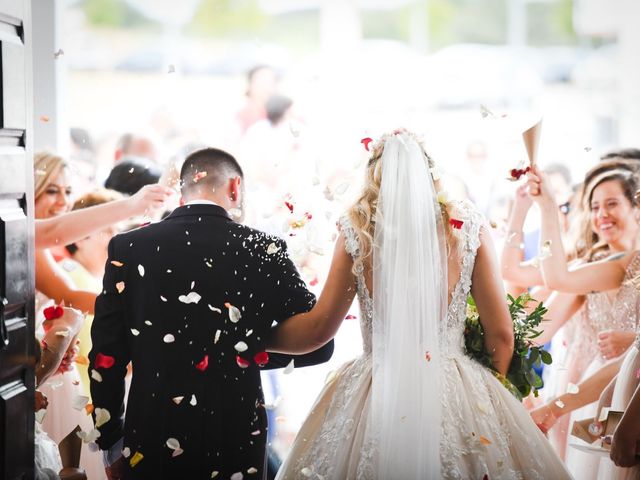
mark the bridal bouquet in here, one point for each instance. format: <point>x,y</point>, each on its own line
<point>521,379</point>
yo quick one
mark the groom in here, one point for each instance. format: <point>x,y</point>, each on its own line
<point>190,301</point>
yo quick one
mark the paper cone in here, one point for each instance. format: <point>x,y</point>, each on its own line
<point>531,139</point>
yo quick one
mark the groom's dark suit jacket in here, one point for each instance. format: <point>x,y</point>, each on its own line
<point>215,412</point>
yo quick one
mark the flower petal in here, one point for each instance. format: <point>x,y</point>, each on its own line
<point>102,416</point>
<point>241,347</point>
<point>169,338</point>
<point>120,287</point>
<point>104,361</point>
<point>203,364</point>
<point>191,297</point>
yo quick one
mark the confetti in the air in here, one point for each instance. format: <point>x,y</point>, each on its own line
<point>242,363</point>
<point>272,248</point>
<point>203,364</point>
<point>58,53</point>
<point>90,436</point>
<point>289,205</point>
<point>177,400</point>
<point>104,361</point>
<point>234,313</point>
<point>366,141</point>
<point>141,270</point>
<point>191,297</point>
<point>252,470</point>
<point>199,176</point>
<point>241,347</point>
<point>193,402</point>
<point>307,472</point>
<point>168,338</point>
<point>135,332</point>
<point>44,118</point>
<point>79,402</point>
<point>126,452</point>
<point>427,356</point>
<point>135,459</point>
<point>261,358</point>
<point>217,336</point>
<point>116,263</point>
<point>572,388</point>
<point>289,368</point>
<point>63,333</point>
<point>102,416</point>
<point>559,403</point>
<point>237,476</point>
<point>120,287</point>
<point>350,317</point>
<point>484,440</point>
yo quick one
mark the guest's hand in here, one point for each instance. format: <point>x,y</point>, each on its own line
<point>624,445</point>
<point>149,198</point>
<point>70,356</point>
<point>544,417</point>
<point>523,200</point>
<point>116,470</point>
<point>613,343</point>
<point>538,188</point>
<point>41,401</point>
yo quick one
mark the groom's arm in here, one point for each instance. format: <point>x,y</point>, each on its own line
<point>289,297</point>
<point>109,340</point>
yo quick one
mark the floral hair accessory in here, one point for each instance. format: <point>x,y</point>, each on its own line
<point>443,197</point>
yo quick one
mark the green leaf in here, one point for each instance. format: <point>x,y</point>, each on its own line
<point>546,357</point>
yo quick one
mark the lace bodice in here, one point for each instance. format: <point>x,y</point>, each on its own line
<point>452,329</point>
<point>619,313</point>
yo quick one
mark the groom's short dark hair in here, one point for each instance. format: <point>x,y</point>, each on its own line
<point>208,167</point>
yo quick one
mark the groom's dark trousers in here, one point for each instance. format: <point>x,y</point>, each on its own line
<point>168,306</point>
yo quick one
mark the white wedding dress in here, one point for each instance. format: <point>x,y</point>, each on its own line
<point>486,433</point>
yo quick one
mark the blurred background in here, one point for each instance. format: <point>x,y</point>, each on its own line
<point>291,87</point>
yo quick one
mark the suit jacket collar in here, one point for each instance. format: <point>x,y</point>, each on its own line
<point>199,210</point>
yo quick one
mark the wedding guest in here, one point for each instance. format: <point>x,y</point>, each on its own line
<point>72,226</point>
<point>622,153</point>
<point>136,145</point>
<point>54,358</point>
<point>51,193</point>
<point>262,84</point>
<point>611,318</point>
<point>131,173</point>
<point>85,268</point>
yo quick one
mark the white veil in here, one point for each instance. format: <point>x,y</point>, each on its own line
<point>410,301</point>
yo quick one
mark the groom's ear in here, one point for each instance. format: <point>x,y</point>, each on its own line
<point>235,188</point>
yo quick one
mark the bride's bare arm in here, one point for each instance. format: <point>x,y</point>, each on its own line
<point>586,278</point>
<point>306,332</point>
<point>488,293</point>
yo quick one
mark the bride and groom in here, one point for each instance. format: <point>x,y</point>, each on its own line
<point>191,301</point>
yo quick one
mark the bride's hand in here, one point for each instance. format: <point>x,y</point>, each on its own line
<point>544,418</point>
<point>538,187</point>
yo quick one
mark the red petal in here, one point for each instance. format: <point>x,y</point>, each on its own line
<point>289,206</point>
<point>242,363</point>
<point>104,361</point>
<point>261,358</point>
<point>350,317</point>
<point>455,223</point>
<point>366,141</point>
<point>53,312</point>
<point>204,364</point>
<point>314,282</point>
<point>308,216</point>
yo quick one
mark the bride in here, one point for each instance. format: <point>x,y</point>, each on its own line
<point>414,405</point>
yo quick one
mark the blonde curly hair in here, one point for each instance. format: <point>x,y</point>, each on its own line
<point>363,212</point>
